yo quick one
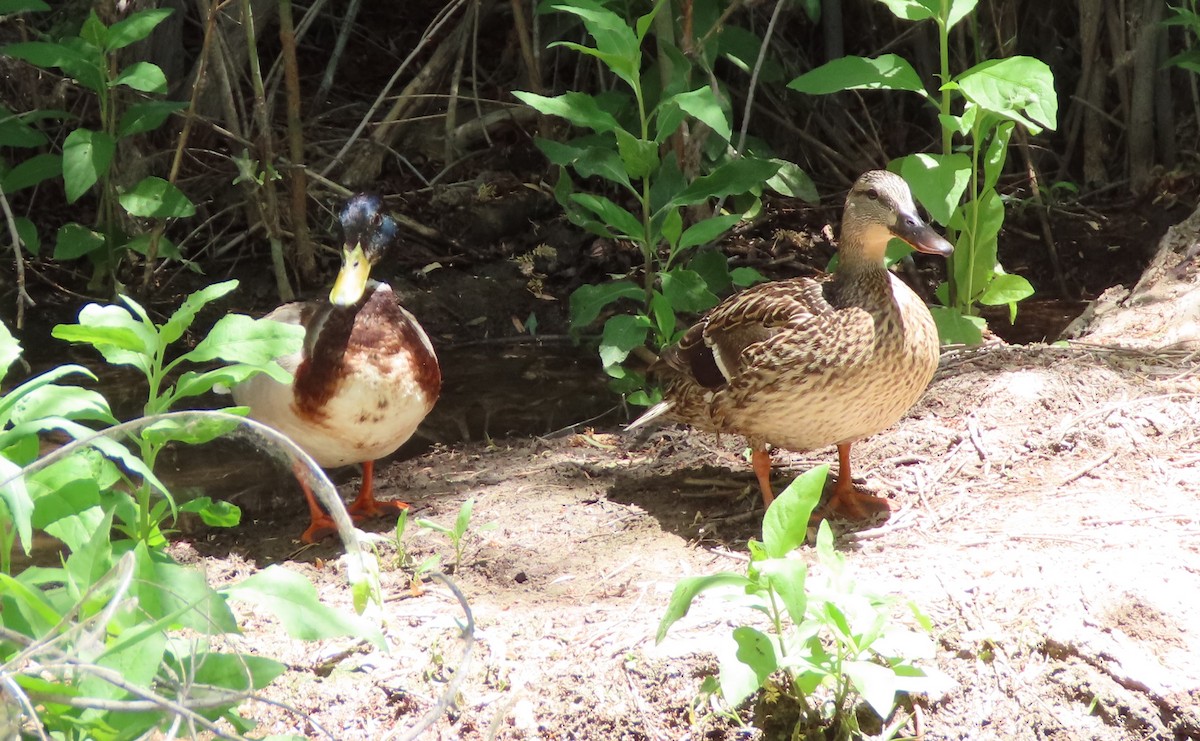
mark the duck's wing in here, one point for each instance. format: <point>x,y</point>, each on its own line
<point>787,323</point>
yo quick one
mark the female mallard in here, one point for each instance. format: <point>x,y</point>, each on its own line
<point>367,374</point>
<point>801,364</point>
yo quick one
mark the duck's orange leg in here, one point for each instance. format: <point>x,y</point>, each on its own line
<point>848,501</point>
<point>366,505</point>
<point>761,460</point>
<point>321,524</point>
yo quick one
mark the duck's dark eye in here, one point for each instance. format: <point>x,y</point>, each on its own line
<point>873,194</point>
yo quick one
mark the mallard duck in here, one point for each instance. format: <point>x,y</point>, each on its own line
<point>367,374</point>
<point>800,364</point>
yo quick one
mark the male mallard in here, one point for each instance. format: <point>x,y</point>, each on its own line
<point>801,364</point>
<point>367,375</point>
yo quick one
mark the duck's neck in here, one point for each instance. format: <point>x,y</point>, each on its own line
<point>327,336</point>
<point>861,278</point>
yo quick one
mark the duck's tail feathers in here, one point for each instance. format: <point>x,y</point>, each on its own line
<point>651,414</point>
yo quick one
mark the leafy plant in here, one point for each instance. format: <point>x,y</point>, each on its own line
<point>993,97</point>
<point>458,533</point>
<point>87,160</point>
<point>125,335</point>
<point>829,640</point>
<point>118,640</point>
<point>630,129</point>
<point>404,559</point>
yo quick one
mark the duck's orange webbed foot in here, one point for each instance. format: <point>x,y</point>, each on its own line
<point>366,505</point>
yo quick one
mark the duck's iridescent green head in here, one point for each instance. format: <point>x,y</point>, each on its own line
<point>367,233</point>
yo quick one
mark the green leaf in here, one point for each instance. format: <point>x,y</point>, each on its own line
<point>193,383</point>
<point>708,230</point>
<point>214,514</point>
<point>640,157</point>
<point>75,240</point>
<point>1020,88</point>
<point>15,497</point>
<point>910,10</point>
<point>236,338</point>
<point>154,197</point>
<point>85,64</point>
<point>686,290</point>
<point>1006,289</point>
<point>145,116</point>
<point>197,430</point>
<point>876,684</point>
<point>143,77</point>
<point>955,328</point>
<point>622,333</point>
<point>178,595</point>
<point>10,350</point>
<point>785,524</point>
<point>787,577</point>
<point>71,402</point>
<point>32,171</point>
<point>688,588</point>
<point>36,610</point>
<point>28,233</point>
<point>732,178</point>
<point>938,181</point>
<point>8,7</point>
<point>588,300</point>
<point>886,72</point>
<point>236,672</point>
<point>110,326</point>
<point>755,662</point>
<point>87,156</point>
<point>703,105</point>
<point>978,223</point>
<point>191,306</point>
<point>672,228</point>
<point>615,217</point>
<point>743,277</point>
<point>997,152</point>
<point>793,182</point>
<point>136,27</point>
<point>713,267</point>
<point>67,500</point>
<point>587,161</point>
<point>578,108</point>
<point>292,599</point>
<point>463,520</point>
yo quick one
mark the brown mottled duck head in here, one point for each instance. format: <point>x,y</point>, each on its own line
<point>880,206</point>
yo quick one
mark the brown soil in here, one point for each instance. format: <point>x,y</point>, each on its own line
<point>1045,517</point>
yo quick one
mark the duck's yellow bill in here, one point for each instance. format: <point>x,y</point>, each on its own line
<point>351,280</point>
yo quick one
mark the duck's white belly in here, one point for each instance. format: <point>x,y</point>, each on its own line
<point>369,416</point>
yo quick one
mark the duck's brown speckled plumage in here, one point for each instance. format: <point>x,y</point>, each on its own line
<point>801,363</point>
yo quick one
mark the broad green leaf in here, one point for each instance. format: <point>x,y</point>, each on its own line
<point>194,383</point>
<point>978,224</point>
<point>114,326</point>
<point>76,240</point>
<point>672,228</point>
<point>236,338</point>
<point>154,197</point>
<point>741,47</point>
<point>135,28</point>
<point>578,108</point>
<point>15,497</point>
<point>938,181</point>
<point>639,157</point>
<point>787,577</point>
<point>708,230</point>
<point>32,171</point>
<point>71,402</point>
<point>197,430</point>
<point>191,306</point>
<point>463,520</point>
<point>663,313</point>
<point>910,10</point>
<point>1007,289</point>
<point>876,684</point>
<point>180,595</point>
<point>10,400</point>
<point>32,605</point>
<point>686,290</point>
<point>793,182</point>
<point>886,72</point>
<point>755,662</point>
<point>87,156</point>
<point>1020,88</point>
<point>292,599</point>
<point>214,514</point>
<point>615,217</point>
<point>587,161</point>
<point>8,7</point>
<point>687,589</point>
<point>746,277</point>
<point>703,105</point>
<point>785,524</point>
<point>954,328</point>
<point>10,350</point>
<point>588,300</point>
<point>732,178</point>
<point>145,116</point>
<point>85,64</point>
<point>622,333</point>
<point>28,233</point>
<point>713,267</point>
<point>236,672</point>
<point>143,77</point>
<point>997,152</point>
<point>66,502</point>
